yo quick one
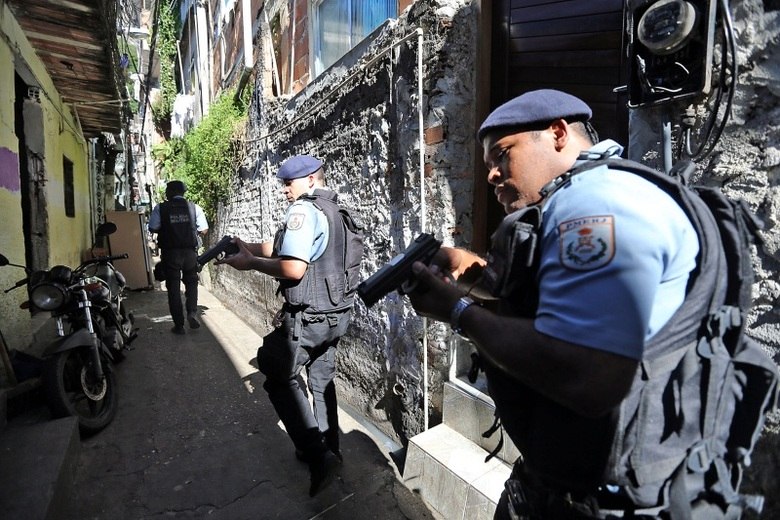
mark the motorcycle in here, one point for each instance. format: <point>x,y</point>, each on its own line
<point>93,328</point>
<point>114,321</point>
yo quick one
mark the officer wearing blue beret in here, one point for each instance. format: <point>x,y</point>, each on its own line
<point>304,257</point>
<point>561,339</point>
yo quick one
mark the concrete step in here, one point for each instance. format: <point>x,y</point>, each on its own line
<point>470,412</point>
<point>451,475</point>
<point>38,461</point>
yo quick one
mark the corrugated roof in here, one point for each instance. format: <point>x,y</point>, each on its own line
<point>76,41</point>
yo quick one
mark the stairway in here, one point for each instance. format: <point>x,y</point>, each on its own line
<point>38,458</point>
<point>446,464</point>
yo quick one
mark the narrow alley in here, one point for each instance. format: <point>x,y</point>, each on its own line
<point>196,437</point>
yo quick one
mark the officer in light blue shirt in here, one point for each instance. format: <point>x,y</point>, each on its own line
<point>582,273</point>
<point>308,327</point>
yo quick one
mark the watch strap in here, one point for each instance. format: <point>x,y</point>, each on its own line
<point>461,305</point>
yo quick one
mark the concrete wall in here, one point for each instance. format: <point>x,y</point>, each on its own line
<point>367,132</point>
<point>11,240</point>
<point>747,165</point>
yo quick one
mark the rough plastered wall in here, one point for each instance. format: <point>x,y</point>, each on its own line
<point>361,118</point>
<point>746,164</point>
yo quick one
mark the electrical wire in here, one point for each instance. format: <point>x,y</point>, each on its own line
<point>727,84</point>
<point>152,45</point>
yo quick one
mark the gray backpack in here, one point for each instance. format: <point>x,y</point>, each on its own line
<point>700,366</point>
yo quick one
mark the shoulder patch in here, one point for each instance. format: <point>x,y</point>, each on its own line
<point>587,243</point>
<point>295,221</point>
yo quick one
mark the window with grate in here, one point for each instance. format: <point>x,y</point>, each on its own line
<point>339,25</point>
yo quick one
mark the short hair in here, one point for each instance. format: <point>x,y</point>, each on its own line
<point>174,188</point>
<point>585,130</point>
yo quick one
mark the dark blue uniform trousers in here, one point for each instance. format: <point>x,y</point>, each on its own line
<point>304,341</point>
<point>181,265</point>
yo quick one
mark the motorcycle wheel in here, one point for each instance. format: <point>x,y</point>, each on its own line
<point>69,392</point>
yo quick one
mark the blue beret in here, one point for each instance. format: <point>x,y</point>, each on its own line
<point>535,107</point>
<point>298,166</point>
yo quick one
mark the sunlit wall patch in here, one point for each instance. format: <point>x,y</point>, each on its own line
<point>9,170</point>
<point>587,242</point>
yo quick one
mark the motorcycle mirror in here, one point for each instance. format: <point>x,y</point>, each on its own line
<point>4,261</point>
<point>105,229</point>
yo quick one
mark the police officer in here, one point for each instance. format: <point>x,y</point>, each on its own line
<point>309,326</point>
<point>562,343</point>
<point>179,223</point>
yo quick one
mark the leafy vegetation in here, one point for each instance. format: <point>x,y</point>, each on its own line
<point>168,31</point>
<point>207,157</point>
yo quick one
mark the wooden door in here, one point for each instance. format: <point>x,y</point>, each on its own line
<point>576,46</point>
<point>573,45</point>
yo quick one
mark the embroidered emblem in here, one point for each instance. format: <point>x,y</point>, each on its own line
<point>588,242</point>
<point>295,222</point>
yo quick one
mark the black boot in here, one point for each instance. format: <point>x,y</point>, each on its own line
<point>323,469</point>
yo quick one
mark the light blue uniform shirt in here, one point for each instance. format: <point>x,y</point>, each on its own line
<point>616,256</point>
<point>306,234</point>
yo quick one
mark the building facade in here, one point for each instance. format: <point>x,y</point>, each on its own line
<point>61,124</point>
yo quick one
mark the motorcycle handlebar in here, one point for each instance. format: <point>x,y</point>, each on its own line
<point>18,284</point>
<point>102,259</point>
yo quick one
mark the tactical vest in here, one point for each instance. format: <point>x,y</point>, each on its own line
<point>700,395</point>
<point>177,225</point>
<point>330,282</point>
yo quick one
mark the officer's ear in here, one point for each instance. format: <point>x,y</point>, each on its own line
<point>560,130</point>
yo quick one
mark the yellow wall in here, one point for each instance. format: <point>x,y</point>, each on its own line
<point>67,237</point>
<point>15,322</point>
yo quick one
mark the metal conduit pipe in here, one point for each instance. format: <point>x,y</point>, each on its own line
<point>423,208</point>
<point>313,110</point>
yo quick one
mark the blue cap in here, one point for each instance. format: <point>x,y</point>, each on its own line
<point>533,108</point>
<point>297,167</point>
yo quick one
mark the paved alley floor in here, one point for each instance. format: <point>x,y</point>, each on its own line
<point>196,437</point>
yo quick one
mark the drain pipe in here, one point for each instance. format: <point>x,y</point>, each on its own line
<point>423,208</point>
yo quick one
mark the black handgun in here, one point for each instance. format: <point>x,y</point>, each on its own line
<point>220,250</point>
<point>397,271</point>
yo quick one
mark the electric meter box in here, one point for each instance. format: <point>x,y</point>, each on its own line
<point>670,50</point>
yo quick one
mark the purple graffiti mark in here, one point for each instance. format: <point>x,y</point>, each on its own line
<point>9,170</point>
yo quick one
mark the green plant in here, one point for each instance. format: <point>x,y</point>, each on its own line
<point>207,157</point>
<point>168,31</point>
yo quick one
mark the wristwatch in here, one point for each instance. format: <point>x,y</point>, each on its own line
<point>461,305</point>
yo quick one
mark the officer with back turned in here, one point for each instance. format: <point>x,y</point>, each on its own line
<point>179,223</point>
